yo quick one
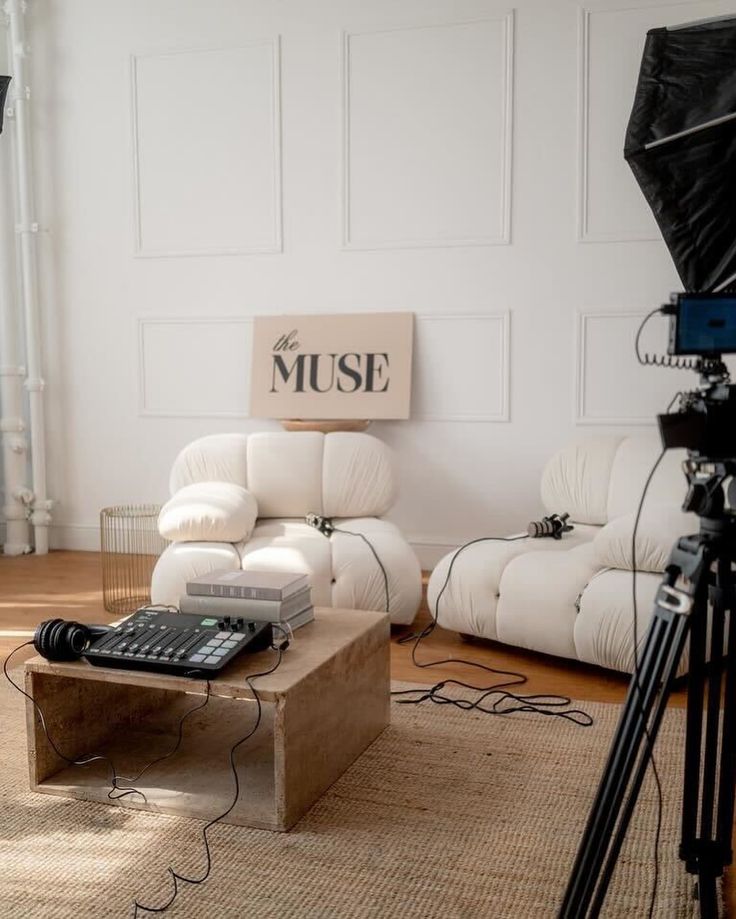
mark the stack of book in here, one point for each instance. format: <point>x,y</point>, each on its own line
<point>262,596</point>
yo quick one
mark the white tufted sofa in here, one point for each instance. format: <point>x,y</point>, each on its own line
<point>239,501</point>
<point>574,598</point>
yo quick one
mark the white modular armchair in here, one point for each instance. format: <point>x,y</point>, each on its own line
<point>573,597</point>
<point>240,501</point>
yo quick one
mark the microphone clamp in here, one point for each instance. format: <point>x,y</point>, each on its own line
<point>323,524</point>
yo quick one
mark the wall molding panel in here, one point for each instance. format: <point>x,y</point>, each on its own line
<point>611,387</point>
<point>451,361</point>
<point>230,170</point>
<point>495,232</point>
<point>204,375</point>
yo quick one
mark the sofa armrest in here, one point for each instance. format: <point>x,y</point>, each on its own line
<point>209,512</point>
<point>659,528</point>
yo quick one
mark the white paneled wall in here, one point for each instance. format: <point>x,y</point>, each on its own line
<point>207,154</point>
<point>402,181</point>
<point>201,164</point>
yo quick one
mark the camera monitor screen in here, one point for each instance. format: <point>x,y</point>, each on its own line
<point>704,324</point>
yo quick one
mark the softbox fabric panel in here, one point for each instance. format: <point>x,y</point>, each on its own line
<point>681,145</point>
<point>4,83</point>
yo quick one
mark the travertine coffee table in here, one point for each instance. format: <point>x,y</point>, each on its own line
<point>322,707</point>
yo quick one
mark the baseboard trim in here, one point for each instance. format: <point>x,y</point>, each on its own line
<point>429,551</point>
<point>80,537</point>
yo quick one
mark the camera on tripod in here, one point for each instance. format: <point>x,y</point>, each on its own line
<point>681,146</point>
<point>703,325</point>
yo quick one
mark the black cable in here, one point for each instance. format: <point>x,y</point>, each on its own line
<point>650,746</point>
<point>117,791</point>
<point>375,555</point>
<point>175,876</point>
<point>180,737</point>
<point>505,703</point>
<point>82,761</point>
<point>661,360</point>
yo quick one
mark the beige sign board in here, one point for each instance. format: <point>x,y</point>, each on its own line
<point>335,366</point>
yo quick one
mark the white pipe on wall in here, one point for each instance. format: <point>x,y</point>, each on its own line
<point>27,233</point>
<point>12,426</point>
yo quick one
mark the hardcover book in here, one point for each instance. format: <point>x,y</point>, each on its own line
<point>259,610</point>
<point>297,621</point>
<point>248,585</point>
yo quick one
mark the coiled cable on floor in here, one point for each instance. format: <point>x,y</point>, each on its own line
<point>495,699</point>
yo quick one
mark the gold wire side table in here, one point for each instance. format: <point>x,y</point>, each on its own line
<point>130,544</point>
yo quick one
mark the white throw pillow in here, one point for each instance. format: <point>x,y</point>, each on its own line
<point>659,528</point>
<point>209,512</point>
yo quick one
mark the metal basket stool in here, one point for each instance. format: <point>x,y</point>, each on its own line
<point>131,544</point>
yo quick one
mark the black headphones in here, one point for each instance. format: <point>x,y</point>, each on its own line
<point>64,639</point>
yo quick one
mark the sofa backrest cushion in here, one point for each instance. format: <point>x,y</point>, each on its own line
<point>217,458</point>
<point>292,473</point>
<point>631,467</point>
<point>358,478</point>
<point>601,478</point>
<point>285,472</point>
<point>576,479</point>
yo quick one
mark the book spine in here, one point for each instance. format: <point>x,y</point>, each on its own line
<point>270,610</point>
<point>232,592</point>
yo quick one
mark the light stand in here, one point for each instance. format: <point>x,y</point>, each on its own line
<point>696,600</point>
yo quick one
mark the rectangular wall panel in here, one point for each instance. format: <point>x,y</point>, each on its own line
<point>612,387</point>
<point>207,158</point>
<point>193,368</point>
<point>611,41</point>
<point>461,368</point>
<point>427,135</point>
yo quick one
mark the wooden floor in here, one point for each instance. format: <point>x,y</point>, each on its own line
<point>68,585</point>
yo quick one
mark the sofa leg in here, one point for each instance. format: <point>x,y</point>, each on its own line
<point>466,637</point>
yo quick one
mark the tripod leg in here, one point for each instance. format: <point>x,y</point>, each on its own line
<point>694,734</point>
<point>727,778</point>
<point>633,739</point>
<point>635,786</point>
<point>708,800</point>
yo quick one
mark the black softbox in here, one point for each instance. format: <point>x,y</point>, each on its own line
<point>681,146</point>
<point>4,83</point>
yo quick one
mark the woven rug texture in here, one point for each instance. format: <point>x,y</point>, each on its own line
<point>448,815</point>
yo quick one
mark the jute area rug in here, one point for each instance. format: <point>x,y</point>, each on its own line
<point>449,814</point>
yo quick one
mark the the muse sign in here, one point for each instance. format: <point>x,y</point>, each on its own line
<point>333,366</point>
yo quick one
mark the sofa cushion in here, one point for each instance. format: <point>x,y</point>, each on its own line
<point>291,545</point>
<point>576,479</point>
<point>659,527</point>
<point>285,472</point>
<point>357,476</point>
<point>216,458</point>
<point>469,601</point>
<point>357,579</point>
<point>182,561</point>
<point>604,633</point>
<point>538,595</point>
<point>632,464</point>
<point>208,512</point>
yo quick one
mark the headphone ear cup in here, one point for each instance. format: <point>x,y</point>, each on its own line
<point>60,640</point>
<point>41,638</point>
<point>73,640</point>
